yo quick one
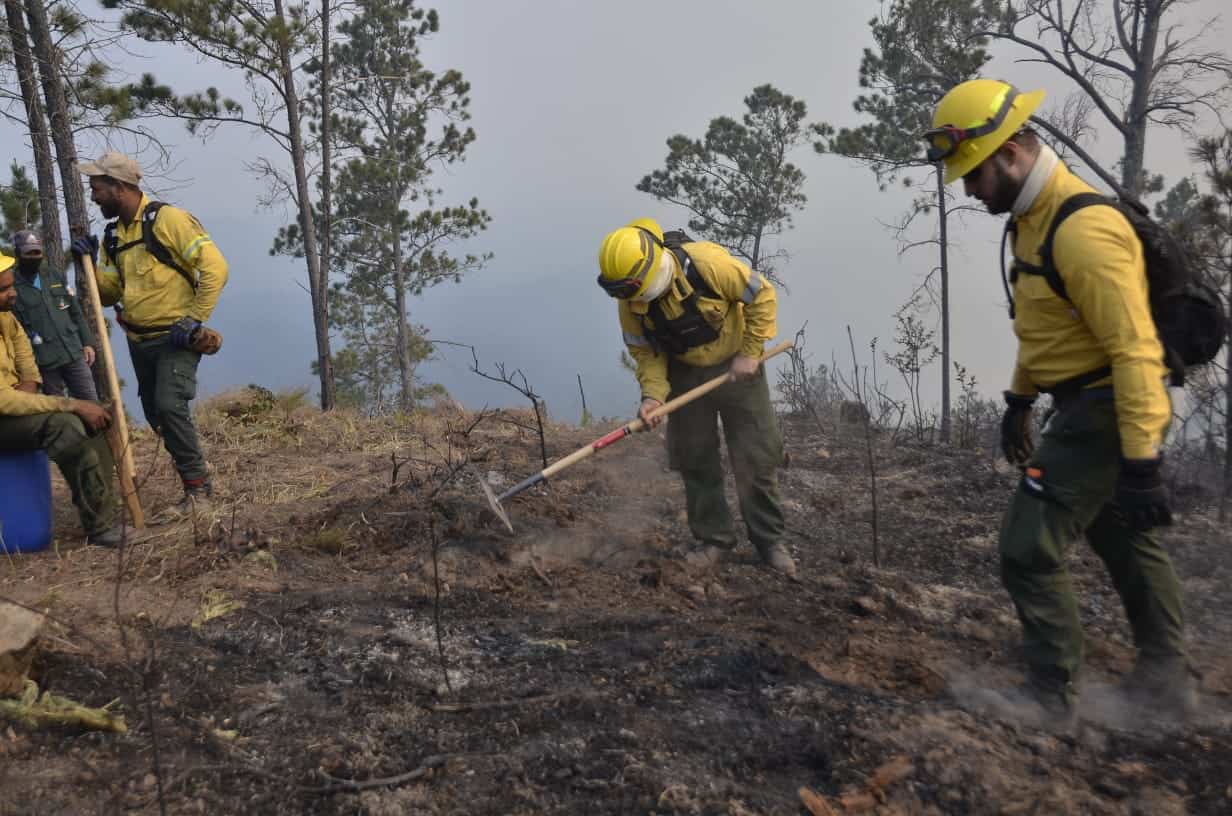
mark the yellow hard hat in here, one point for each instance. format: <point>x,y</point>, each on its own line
<point>629,258</point>
<point>973,120</point>
<point>5,262</point>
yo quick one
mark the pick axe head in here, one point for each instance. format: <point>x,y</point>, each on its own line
<point>495,504</point>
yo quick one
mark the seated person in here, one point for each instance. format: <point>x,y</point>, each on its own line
<point>67,428</point>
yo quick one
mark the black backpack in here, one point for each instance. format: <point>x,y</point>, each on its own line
<point>1189,315</point>
<point>111,243</point>
<point>691,329</point>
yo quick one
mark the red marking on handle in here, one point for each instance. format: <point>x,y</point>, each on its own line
<point>614,436</point>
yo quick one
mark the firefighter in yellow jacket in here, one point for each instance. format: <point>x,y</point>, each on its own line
<point>1096,350</point>
<point>69,430</point>
<point>690,312</point>
<point>161,266</point>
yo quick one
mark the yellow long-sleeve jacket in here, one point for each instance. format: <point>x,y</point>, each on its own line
<point>1106,321</point>
<point>17,366</point>
<point>154,294</point>
<point>744,314</point>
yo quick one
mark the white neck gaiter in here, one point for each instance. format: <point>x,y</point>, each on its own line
<point>1045,163</point>
<point>663,278</point>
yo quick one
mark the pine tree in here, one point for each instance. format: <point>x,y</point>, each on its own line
<point>399,121</point>
<point>266,41</point>
<point>737,182</point>
<point>922,49</point>
<point>19,203</point>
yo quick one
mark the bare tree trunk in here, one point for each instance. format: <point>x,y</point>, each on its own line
<point>406,369</point>
<point>327,184</point>
<point>945,306</point>
<point>317,284</point>
<point>1225,497</point>
<point>406,396</point>
<point>27,78</point>
<point>1135,115</point>
<point>49,65</point>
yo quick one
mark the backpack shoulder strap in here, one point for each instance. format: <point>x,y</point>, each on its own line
<point>1009,236</point>
<point>113,248</point>
<point>1071,205</point>
<point>694,276</point>
<point>155,247</point>
<point>111,241</point>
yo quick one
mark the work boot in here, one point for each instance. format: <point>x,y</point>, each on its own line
<point>705,557</point>
<point>1045,700</point>
<point>111,537</point>
<point>1161,688</point>
<point>778,559</point>
<point>196,502</point>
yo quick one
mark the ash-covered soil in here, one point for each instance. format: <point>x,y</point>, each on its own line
<point>581,664</point>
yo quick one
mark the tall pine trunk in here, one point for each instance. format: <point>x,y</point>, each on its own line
<point>1136,122</point>
<point>945,305</point>
<point>44,165</point>
<point>1226,494</point>
<point>327,178</point>
<point>406,373</point>
<point>317,284</point>
<point>49,63</point>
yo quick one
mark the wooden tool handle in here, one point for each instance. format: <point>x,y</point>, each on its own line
<point>706,387</point>
<point>117,434</point>
<point>663,410</point>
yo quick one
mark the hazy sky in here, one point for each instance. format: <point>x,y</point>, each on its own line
<point>572,103</point>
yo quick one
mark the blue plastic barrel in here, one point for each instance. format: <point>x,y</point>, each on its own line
<point>25,501</point>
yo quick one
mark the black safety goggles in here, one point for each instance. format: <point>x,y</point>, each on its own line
<point>622,289</point>
<point>626,288</point>
<point>951,137</point>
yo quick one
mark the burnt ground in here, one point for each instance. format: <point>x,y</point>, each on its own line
<point>580,665</point>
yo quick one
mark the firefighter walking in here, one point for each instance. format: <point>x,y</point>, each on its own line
<point>1087,338</point>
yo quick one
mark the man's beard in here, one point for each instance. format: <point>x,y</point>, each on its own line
<point>28,267</point>
<point>1007,191</point>
<point>109,210</point>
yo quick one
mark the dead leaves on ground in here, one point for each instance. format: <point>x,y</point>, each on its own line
<point>860,800</point>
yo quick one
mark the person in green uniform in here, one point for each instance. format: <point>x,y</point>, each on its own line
<point>1096,473</point>
<point>48,309</point>
<point>161,265</point>
<point>689,312</point>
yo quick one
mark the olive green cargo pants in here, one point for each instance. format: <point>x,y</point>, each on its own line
<point>84,460</point>
<point>166,383</point>
<point>1068,492</point>
<point>754,445</point>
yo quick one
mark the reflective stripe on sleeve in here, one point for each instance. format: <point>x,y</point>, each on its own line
<point>195,247</point>
<point>752,288</point>
<point>635,339</point>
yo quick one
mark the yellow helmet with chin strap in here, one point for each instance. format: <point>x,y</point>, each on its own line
<point>974,119</point>
<point>6,262</point>
<point>630,259</point>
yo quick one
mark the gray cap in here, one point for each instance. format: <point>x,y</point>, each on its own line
<point>116,165</point>
<point>27,244</point>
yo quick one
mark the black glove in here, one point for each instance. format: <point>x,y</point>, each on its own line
<point>1141,494</point>
<point>85,245</point>
<point>1016,441</point>
<point>182,331</point>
